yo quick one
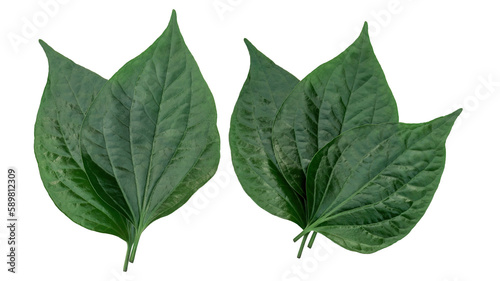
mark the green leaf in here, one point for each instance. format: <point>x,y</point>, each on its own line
<point>67,96</point>
<point>369,187</point>
<point>262,95</point>
<point>346,92</point>
<point>363,179</point>
<point>116,155</point>
<point>152,133</point>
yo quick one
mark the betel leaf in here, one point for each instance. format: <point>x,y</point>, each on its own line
<point>262,95</point>
<point>359,176</point>
<point>67,96</point>
<point>148,140</point>
<point>369,187</point>
<point>343,93</point>
<point>152,133</point>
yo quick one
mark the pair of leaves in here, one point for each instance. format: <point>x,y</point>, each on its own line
<point>329,153</point>
<point>115,155</point>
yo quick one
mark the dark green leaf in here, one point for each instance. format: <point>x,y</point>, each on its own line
<point>262,95</point>
<point>67,96</point>
<point>344,93</point>
<point>363,179</point>
<point>369,187</point>
<point>138,149</point>
<point>152,131</point>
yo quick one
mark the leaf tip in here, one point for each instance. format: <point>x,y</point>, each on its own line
<point>458,111</point>
<point>173,17</point>
<point>364,37</point>
<point>44,45</point>
<point>454,115</point>
<point>364,30</point>
<point>252,50</point>
<point>447,120</point>
<point>49,51</point>
<point>249,45</point>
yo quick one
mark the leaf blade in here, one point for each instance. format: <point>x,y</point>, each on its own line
<point>263,93</point>
<point>68,94</point>
<point>155,126</point>
<point>346,92</point>
<point>397,168</point>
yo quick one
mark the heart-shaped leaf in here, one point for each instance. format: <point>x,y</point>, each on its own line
<point>152,131</point>
<point>68,94</point>
<point>348,91</point>
<point>147,142</point>
<point>370,186</point>
<point>337,142</point>
<point>262,95</point>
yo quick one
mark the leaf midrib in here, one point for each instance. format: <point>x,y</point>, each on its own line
<point>146,203</point>
<point>329,213</point>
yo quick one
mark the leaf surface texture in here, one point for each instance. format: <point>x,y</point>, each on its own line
<point>328,152</point>
<point>144,141</point>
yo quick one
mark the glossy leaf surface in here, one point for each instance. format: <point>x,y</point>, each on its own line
<point>262,95</point>
<point>348,91</point>
<point>361,178</point>
<point>68,94</point>
<point>152,131</point>
<point>148,140</point>
<point>370,186</point>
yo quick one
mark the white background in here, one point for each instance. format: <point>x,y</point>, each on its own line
<point>437,56</point>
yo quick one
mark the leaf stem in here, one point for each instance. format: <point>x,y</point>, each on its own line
<point>130,244</point>
<point>127,256</point>
<point>311,242</point>
<point>302,233</point>
<point>134,247</point>
<point>302,245</point>
<point>307,229</point>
